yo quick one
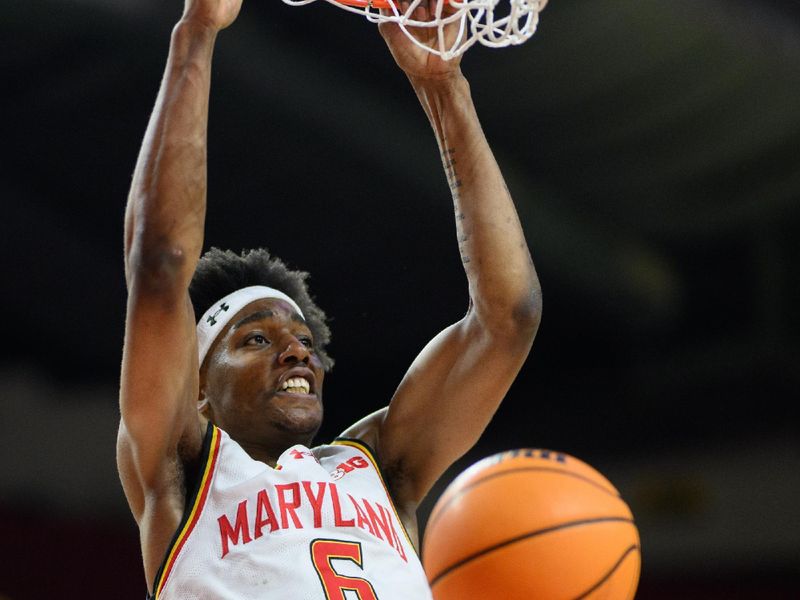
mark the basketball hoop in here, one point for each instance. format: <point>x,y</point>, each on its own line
<point>475,21</point>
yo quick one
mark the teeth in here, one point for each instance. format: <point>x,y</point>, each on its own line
<point>296,385</point>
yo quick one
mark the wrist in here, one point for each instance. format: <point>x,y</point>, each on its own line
<point>190,28</point>
<point>439,94</point>
<point>440,84</point>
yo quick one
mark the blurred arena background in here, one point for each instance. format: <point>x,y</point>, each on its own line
<point>653,148</point>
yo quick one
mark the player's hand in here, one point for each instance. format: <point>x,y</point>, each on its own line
<point>415,61</point>
<point>214,14</point>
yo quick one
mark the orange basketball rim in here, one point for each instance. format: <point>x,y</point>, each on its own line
<point>377,4</point>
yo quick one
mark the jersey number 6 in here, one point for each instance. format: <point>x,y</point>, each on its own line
<point>334,584</point>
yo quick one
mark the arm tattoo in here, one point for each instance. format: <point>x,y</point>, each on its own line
<point>449,161</point>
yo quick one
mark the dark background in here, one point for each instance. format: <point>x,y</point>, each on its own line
<point>652,147</point>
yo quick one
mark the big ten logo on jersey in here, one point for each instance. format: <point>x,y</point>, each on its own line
<point>351,464</point>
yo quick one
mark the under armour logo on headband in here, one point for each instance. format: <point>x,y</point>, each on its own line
<point>223,310</point>
<point>212,319</point>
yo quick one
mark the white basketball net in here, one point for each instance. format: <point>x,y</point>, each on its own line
<point>476,21</point>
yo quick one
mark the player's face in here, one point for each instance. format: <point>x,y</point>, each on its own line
<point>263,379</point>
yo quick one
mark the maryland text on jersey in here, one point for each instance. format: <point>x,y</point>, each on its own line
<point>319,526</point>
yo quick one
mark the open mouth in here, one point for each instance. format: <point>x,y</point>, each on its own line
<point>296,385</point>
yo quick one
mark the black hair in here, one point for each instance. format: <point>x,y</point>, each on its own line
<point>221,272</point>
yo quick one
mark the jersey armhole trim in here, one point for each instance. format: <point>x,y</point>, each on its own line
<point>367,450</point>
<point>194,507</point>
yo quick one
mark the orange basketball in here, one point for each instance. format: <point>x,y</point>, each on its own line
<point>531,525</point>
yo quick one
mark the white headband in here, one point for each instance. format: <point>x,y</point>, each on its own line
<point>221,312</point>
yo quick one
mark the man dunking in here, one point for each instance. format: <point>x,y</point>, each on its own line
<point>224,361</point>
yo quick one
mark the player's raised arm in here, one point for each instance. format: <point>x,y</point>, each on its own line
<point>163,239</point>
<point>455,385</point>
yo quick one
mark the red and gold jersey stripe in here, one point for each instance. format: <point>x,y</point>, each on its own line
<point>194,514</point>
<point>365,449</point>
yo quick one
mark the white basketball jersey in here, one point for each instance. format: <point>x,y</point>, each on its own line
<point>318,526</point>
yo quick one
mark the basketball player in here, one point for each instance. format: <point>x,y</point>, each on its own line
<point>221,399</point>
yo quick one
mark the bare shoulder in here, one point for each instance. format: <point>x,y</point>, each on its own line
<point>367,430</point>
<point>158,505</point>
